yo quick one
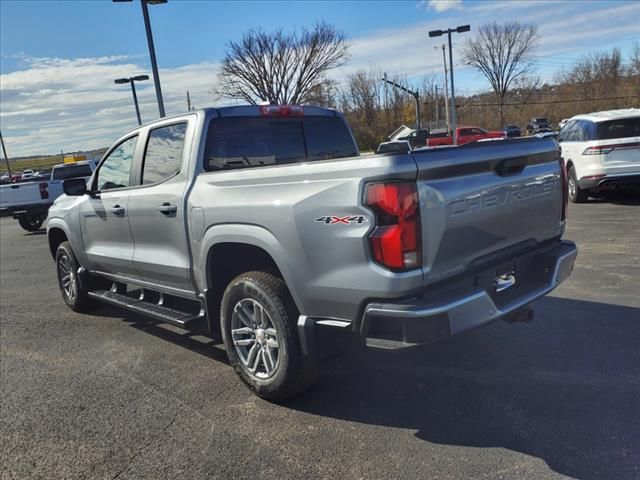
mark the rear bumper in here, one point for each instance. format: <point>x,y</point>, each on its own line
<point>466,304</point>
<point>19,210</point>
<point>609,181</point>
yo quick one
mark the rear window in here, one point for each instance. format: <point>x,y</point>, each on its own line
<point>400,147</point>
<point>70,171</point>
<point>241,142</point>
<point>625,127</point>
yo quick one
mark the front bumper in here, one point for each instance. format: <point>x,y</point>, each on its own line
<point>609,181</point>
<point>467,303</point>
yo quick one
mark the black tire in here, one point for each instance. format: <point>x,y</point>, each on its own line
<point>293,372</point>
<point>73,292</point>
<point>31,223</point>
<point>576,194</point>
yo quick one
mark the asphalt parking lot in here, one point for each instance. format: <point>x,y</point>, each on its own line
<point>112,395</point>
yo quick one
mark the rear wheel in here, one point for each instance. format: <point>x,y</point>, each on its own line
<point>576,194</point>
<point>31,223</point>
<point>73,293</point>
<point>259,328</point>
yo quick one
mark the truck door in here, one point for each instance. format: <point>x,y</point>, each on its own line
<point>156,207</point>
<point>104,215</point>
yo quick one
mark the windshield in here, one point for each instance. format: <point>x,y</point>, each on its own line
<point>240,142</point>
<point>623,128</point>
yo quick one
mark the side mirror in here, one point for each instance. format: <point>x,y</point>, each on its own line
<point>75,187</point>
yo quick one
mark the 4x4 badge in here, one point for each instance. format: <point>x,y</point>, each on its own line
<point>349,219</point>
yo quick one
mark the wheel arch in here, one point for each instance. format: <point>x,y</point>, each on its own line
<point>226,251</point>
<point>56,235</point>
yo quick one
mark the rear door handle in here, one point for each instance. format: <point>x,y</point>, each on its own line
<point>117,210</point>
<point>167,208</point>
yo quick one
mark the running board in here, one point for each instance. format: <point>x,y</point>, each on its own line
<point>153,310</point>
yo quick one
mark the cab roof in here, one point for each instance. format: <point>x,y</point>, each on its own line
<point>608,115</point>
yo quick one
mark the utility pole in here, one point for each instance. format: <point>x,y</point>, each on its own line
<point>446,86</point>
<point>386,94</point>
<point>414,94</point>
<point>437,33</point>
<point>6,158</point>
<point>188,102</point>
<point>437,102</point>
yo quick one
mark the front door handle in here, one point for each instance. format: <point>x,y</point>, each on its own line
<point>117,210</point>
<point>167,208</point>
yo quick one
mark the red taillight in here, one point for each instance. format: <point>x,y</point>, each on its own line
<point>597,150</point>
<point>565,188</point>
<point>604,149</point>
<point>44,191</point>
<point>281,111</point>
<point>395,241</point>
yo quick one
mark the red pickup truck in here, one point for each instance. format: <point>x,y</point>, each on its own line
<point>465,135</point>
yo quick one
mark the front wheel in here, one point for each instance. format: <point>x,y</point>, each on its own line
<point>31,223</point>
<point>576,194</point>
<point>258,320</point>
<point>73,292</point>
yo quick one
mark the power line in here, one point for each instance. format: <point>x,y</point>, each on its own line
<point>547,102</point>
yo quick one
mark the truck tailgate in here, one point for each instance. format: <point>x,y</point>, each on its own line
<point>17,194</point>
<point>485,200</point>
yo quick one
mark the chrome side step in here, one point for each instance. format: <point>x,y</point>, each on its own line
<point>156,311</point>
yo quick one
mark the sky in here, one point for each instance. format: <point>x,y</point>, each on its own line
<point>58,59</point>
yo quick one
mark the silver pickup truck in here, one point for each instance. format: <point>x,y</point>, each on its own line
<point>265,223</point>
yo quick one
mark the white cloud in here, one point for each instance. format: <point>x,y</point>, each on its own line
<point>55,104</point>
<point>442,5</point>
<point>72,103</point>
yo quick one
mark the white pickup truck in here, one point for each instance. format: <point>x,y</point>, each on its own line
<point>29,202</point>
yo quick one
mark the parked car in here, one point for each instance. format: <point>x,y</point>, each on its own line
<point>27,174</point>
<point>512,130</point>
<point>267,221</point>
<point>602,151</point>
<point>5,178</point>
<point>417,138</point>
<point>464,135</point>
<point>539,125</point>
<point>29,201</point>
<point>397,146</point>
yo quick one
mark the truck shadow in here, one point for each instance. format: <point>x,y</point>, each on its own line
<point>564,389</point>
<point>618,198</point>
<point>195,340</point>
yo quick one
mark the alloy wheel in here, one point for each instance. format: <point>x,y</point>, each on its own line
<point>255,338</point>
<point>67,278</point>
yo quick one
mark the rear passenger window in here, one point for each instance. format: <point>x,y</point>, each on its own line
<point>163,156</point>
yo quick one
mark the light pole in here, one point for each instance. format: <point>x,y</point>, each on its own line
<point>446,84</point>
<point>437,33</point>
<point>415,95</point>
<point>6,159</point>
<point>132,81</point>
<point>152,51</point>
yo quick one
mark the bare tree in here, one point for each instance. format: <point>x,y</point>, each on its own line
<point>634,60</point>
<point>287,68</point>
<point>502,53</point>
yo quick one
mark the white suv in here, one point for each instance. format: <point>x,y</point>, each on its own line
<point>601,151</point>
